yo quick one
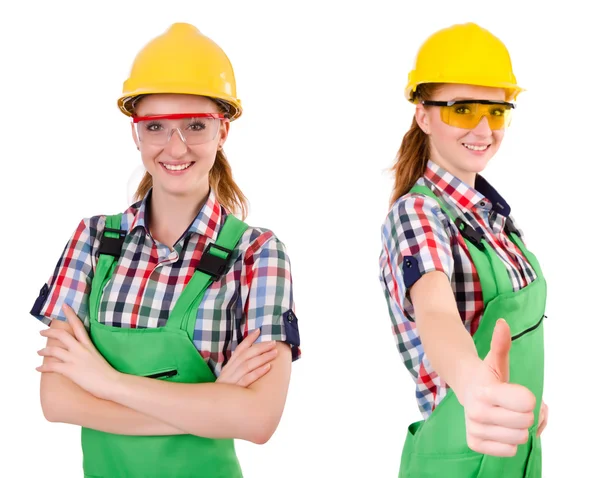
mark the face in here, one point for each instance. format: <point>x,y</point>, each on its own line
<point>176,166</point>
<point>462,152</point>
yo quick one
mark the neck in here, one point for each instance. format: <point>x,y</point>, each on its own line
<point>466,177</point>
<point>170,215</point>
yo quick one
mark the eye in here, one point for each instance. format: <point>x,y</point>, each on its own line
<point>197,125</point>
<point>498,111</point>
<point>154,126</point>
<point>462,110</point>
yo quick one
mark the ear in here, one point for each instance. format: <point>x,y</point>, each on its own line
<point>223,132</point>
<point>422,118</point>
<point>134,136</point>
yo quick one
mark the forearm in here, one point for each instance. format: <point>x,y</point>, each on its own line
<point>447,343</point>
<point>212,410</point>
<point>449,348</point>
<point>65,402</point>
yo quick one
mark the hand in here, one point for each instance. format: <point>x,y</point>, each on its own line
<point>543,418</point>
<point>77,358</point>
<point>248,362</point>
<point>497,413</point>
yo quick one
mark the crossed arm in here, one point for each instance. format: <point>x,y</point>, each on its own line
<point>79,387</point>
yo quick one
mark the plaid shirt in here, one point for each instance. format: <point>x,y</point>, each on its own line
<point>417,227</point>
<point>255,293</point>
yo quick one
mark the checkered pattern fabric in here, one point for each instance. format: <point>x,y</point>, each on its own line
<point>255,293</point>
<point>418,230</point>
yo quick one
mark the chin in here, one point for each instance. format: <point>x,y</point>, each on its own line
<point>479,167</point>
<point>180,189</point>
<point>475,165</point>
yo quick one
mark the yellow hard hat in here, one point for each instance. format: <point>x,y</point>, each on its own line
<point>182,60</point>
<point>465,54</point>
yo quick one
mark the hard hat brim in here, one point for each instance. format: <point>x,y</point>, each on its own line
<point>235,104</point>
<point>511,88</point>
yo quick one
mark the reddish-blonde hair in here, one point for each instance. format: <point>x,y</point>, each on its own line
<point>411,159</point>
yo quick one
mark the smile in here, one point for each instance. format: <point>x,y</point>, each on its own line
<point>474,147</point>
<point>176,167</point>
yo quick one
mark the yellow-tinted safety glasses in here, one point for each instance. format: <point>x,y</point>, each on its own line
<point>467,114</point>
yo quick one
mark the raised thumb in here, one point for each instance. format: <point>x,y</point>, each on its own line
<point>498,357</point>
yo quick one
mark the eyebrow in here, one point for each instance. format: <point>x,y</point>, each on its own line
<point>149,114</point>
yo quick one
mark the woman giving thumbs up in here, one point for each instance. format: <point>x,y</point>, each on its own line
<point>453,262</point>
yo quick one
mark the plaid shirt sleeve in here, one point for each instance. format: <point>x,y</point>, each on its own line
<point>72,278</point>
<point>267,287</point>
<point>416,242</point>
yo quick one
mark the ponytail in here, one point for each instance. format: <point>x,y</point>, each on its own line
<point>228,192</point>
<point>412,157</point>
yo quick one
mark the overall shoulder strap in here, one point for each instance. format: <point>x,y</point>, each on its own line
<point>486,262</point>
<point>215,258</point>
<point>468,232</point>
<point>213,264</point>
<point>109,252</point>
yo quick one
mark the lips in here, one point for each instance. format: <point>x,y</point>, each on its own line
<point>476,147</point>
<point>177,167</point>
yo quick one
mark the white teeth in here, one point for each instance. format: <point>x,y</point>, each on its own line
<point>474,148</point>
<point>179,167</point>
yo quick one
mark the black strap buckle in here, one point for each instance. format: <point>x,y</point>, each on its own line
<point>510,227</point>
<point>112,245</point>
<point>214,265</point>
<point>471,234</point>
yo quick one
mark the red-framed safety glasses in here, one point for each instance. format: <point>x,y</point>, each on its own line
<point>193,128</point>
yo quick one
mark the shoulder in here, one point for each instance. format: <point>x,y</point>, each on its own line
<point>414,210</point>
<point>260,242</point>
<point>128,217</point>
<point>258,239</point>
<point>90,228</point>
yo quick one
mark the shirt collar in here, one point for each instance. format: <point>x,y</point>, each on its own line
<point>464,195</point>
<point>206,223</point>
<point>499,204</point>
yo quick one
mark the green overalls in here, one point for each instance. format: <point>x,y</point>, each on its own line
<point>164,353</point>
<point>437,447</point>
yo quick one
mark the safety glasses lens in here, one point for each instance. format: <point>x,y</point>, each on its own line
<point>468,115</point>
<point>194,130</point>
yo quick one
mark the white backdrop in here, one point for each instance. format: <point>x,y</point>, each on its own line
<point>322,86</point>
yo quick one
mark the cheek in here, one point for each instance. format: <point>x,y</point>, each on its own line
<point>498,136</point>
<point>446,136</point>
<point>444,133</point>
<point>205,152</point>
<point>149,155</point>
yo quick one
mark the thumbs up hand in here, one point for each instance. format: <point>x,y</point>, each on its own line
<point>497,413</point>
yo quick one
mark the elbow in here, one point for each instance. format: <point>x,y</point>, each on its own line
<point>263,428</point>
<point>52,407</point>
<point>52,418</point>
<point>257,429</point>
<point>261,436</point>
<point>50,410</point>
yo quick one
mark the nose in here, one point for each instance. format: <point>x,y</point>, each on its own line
<point>176,146</point>
<point>483,127</point>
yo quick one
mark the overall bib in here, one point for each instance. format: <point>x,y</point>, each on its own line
<point>437,447</point>
<point>163,353</point>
